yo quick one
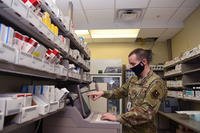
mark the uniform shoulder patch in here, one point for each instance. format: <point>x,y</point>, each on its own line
<point>155,94</point>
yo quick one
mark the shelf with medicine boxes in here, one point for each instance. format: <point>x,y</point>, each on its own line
<point>27,21</point>
<point>182,119</point>
<point>32,103</point>
<point>56,16</point>
<point>64,22</point>
<point>76,45</point>
<point>32,31</point>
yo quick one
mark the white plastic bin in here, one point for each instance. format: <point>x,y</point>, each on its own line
<point>19,7</point>
<point>1,120</point>
<point>50,35</point>
<point>27,114</point>
<point>54,106</point>
<point>6,3</point>
<point>25,59</point>
<point>7,53</point>
<point>33,18</point>
<point>37,63</point>
<point>61,104</point>
<point>48,67</point>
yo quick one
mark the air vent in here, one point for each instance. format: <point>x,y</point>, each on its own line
<point>150,39</point>
<point>129,14</point>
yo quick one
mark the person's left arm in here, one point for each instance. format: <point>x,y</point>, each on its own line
<point>145,112</point>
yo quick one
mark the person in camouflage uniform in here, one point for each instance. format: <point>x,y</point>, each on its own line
<point>145,91</point>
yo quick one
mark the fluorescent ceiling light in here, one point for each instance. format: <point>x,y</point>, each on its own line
<point>115,33</point>
<point>82,32</point>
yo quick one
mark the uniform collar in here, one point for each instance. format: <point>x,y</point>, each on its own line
<point>145,79</point>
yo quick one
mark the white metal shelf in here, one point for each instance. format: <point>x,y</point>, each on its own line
<point>186,98</point>
<point>192,71</point>
<point>183,120</point>
<point>12,68</point>
<point>173,75</point>
<point>12,127</point>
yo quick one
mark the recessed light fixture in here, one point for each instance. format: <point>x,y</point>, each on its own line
<point>82,32</point>
<point>115,33</point>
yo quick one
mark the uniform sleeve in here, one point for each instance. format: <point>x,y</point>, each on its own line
<point>118,93</point>
<point>145,112</point>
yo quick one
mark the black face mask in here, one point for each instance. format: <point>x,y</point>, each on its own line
<point>138,69</point>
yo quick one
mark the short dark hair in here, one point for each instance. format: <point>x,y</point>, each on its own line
<point>142,54</point>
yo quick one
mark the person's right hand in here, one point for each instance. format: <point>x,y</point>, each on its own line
<point>95,95</point>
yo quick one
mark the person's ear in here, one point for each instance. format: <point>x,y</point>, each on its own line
<point>144,61</point>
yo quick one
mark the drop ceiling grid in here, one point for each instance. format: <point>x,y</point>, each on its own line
<point>102,12</point>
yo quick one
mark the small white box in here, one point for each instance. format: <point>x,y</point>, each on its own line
<point>20,8</point>
<point>13,105</point>
<point>43,107</point>
<point>33,18</point>
<point>1,120</point>
<point>54,106</point>
<point>6,3</point>
<point>25,59</point>
<point>7,53</point>
<point>27,114</point>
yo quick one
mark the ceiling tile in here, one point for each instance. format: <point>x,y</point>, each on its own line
<point>79,18</point>
<point>100,16</point>
<point>181,14</point>
<point>168,34</point>
<point>171,32</point>
<point>162,39</point>
<point>144,33</point>
<point>131,4</point>
<point>98,4</point>
<point>165,3</point>
<point>156,15</point>
<point>191,3</point>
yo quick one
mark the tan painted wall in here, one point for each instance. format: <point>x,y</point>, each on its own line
<point>189,36</point>
<point>121,51</point>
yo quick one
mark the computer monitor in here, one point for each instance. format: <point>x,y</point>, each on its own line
<point>85,102</point>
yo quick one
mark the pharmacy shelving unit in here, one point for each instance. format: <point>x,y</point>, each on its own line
<point>15,14</point>
<point>190,75</point>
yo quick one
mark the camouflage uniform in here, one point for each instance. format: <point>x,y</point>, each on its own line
<point>144,98</point>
